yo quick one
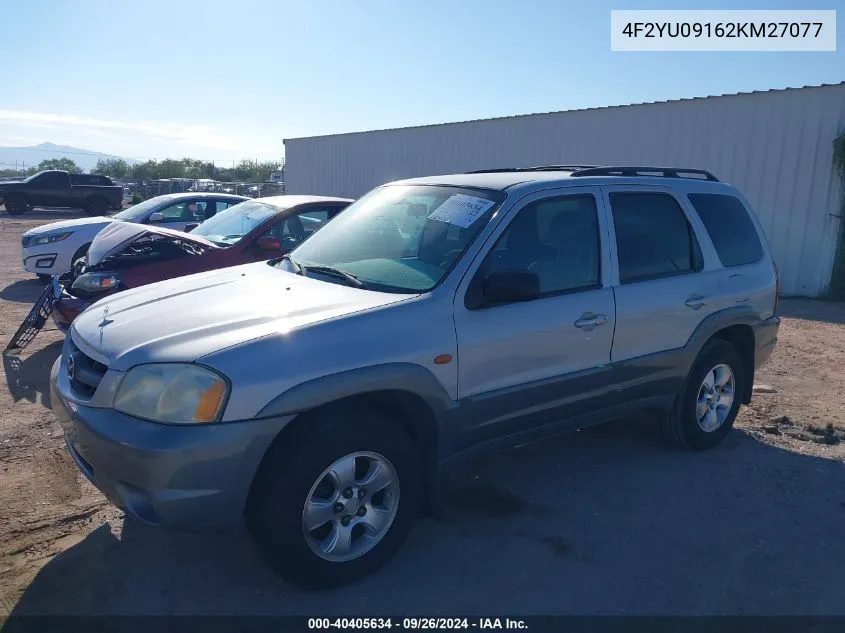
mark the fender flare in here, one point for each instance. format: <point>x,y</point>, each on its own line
<point>407,377</point>
<point>713,323</point>
<point>735,315</point>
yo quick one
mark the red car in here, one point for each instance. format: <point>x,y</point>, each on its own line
<point>126,255</point>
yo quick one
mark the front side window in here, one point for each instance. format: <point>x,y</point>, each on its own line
<point>401,238</point>
<point>184,211</point>
<point>138,212</point>
<point>555,238</point>
<point>52,180</point>
<point>653,237</point>
<point>731,230</point>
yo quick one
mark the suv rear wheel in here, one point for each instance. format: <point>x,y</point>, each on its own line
<point>335,499</point>
<point>709,402</point>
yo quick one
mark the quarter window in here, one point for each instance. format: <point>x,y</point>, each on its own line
<point>732,232</point>
<point>556,238</point>
<point>653,237</point>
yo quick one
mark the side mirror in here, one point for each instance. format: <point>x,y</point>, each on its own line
<point>509,286</point>
<point>268,243</point>
<point>156,217</point>
<point>190,227</point>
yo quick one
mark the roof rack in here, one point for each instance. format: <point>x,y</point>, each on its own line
<point>663,172</point>
<point>538,168</point>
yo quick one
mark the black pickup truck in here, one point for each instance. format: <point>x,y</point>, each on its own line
<point>92,193</point>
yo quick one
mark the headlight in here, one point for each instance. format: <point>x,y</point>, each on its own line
<point>97,282</point>
<point>37,240</point>
<point>172,393</point>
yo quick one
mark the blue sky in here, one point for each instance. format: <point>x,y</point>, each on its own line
<point>225,81</point>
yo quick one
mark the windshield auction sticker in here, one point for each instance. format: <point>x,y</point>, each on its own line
<point>461,210</point>
<point>723,30</point>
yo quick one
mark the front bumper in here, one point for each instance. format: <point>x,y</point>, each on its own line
<point>765,339</point>
<point>45,263</point>
<point>194,476</point>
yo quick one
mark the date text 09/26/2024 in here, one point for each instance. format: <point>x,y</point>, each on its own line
<point>410,624</point>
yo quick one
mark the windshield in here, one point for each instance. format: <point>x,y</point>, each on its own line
<point>230,226</point>
<point>139,211</point>
<point>401,238</point>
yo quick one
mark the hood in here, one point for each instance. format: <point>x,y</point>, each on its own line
<point>119,234</point>
<point>7,184</point>
<point>69,225</point>
<point>183,319</point>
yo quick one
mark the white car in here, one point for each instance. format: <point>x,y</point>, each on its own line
<point>52,248</point>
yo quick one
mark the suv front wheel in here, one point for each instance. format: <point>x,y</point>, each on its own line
<point>707,406</point>
<point>334,499</point>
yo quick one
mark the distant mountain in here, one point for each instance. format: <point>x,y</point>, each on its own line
<point>86,159</point>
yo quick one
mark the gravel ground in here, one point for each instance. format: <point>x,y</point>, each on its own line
<point>609,520</point>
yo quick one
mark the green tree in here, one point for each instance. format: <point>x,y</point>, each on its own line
<point>244,171</point>
<point>116,167</point>
<point>65,164</point>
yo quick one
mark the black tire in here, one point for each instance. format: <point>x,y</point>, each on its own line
<point>96,206</point>
<point>15,205</point>
<point>80,252</point>
<point>292,466</point>
<point>681,425</point>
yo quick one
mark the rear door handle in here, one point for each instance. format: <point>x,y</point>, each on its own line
<point>695,302</point>
<point>590,321</point>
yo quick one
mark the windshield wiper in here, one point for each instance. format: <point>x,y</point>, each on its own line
<point>351,279</point>
<point>297,267</point>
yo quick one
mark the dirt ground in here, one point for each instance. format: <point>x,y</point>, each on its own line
<point>608,520</point>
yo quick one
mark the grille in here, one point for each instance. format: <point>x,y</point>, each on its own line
<point>84,372</point>
<point>34,321</point>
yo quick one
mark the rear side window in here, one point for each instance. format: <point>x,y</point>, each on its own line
<point>90,179</point>
<point>731,230</point>
<point>653,237</point>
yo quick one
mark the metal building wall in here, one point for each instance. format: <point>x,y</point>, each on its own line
<point>776,146</point>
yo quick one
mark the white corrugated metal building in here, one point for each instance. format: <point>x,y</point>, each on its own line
<point>776,146</point>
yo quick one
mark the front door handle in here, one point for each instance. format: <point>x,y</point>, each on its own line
<point>590,321</point>
<point>695,302</point>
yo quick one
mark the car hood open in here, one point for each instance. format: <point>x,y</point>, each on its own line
<point>119,234</point>
<point>183,319</point>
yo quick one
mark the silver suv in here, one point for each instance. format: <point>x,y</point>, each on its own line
<point>317,394</point>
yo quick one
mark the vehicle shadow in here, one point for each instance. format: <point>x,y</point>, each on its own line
<point>23,291</point>
<point>813,310</point>
<point>604,521</point>
<point>29,378</point>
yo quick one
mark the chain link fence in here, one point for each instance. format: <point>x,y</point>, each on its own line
<point>151,188</point>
